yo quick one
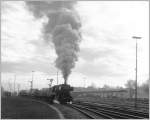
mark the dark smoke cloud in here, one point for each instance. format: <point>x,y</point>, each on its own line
<point>63,26</point>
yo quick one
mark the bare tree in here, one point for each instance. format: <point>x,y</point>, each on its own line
<point>145,87</point>
<point>130,85</point>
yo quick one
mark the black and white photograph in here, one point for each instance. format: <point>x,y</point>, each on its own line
<point>74,59</point>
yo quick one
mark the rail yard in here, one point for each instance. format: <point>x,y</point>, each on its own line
<point>75,59</point>
<point>87,107</point>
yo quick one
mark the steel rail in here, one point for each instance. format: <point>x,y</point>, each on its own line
<point>144,107</point>
<point>115,114</point>
<point>106,113</point>
<point>83,112</point>
<point>82,109</point>
<point>124,103</point>
<point>128,111</point>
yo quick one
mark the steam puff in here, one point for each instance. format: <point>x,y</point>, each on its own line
<point>66,44</point>
<point>63,24</point>
<point>62,17</point>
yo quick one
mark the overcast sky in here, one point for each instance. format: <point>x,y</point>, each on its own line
<point>107,50</point>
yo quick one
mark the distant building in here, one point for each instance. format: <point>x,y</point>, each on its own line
<point>123,93</point>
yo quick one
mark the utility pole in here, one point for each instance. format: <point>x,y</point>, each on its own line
<point>32,81</point>
<point>32,78</point>
<point>57,77</point>
<point>18,88</point>
<point>14,83</point>
<point>135,103</point>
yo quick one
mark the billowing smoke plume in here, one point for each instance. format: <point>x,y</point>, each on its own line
<point>63,25</point>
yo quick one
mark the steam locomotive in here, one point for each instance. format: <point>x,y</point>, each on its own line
<point>60,93</point>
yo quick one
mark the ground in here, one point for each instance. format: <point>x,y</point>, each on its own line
<point>70,113</point>
<point>22,108</point>
<point>26,108</point>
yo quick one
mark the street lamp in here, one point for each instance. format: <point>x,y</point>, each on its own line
<point>135,37</point>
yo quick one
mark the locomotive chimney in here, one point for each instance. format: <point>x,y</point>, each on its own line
<point>65,81</point>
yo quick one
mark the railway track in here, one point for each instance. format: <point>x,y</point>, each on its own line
<point>94,111</point>
<point>123,104</point>
<point>126,103</point>
<point>122,107</point>
<point>90,113</point>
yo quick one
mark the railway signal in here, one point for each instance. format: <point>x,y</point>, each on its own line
<point>51,80</point>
